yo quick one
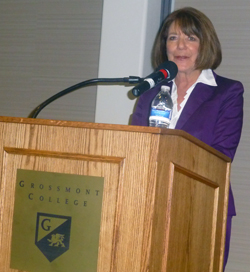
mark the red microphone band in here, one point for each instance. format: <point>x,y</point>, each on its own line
<point>165,73</point>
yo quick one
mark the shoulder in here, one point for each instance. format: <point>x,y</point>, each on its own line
<point>229,93</point>
<point>227,83</point>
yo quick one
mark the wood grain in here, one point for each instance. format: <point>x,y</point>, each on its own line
<point>165,194</point>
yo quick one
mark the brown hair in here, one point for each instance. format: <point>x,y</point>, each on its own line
<point>192,22</point>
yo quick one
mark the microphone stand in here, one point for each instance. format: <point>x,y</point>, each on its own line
<point>130,80</point>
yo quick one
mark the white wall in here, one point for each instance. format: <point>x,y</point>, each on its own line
<point>128,32</point>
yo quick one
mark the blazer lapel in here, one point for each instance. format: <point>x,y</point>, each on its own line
<point>200,93</point>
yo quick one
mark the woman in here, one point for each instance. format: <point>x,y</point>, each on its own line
<point>207,106</point>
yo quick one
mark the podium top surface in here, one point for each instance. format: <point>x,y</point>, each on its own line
<point>127,128</point>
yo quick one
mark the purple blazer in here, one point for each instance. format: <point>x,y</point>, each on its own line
<point>213,114</point>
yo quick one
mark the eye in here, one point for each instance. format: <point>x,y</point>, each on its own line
<point>172,37</point>
<point>193,38</point>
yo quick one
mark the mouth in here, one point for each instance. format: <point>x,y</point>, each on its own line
<point>181,58</point>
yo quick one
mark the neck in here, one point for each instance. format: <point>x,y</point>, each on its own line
<point>185,80</point>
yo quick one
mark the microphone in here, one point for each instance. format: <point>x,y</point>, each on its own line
<point>167,70</point>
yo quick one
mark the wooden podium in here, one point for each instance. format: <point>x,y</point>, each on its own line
<point>165,196</point>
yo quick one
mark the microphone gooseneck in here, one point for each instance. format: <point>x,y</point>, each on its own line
<point>130,80</point>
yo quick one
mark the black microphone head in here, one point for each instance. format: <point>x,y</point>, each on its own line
<point>171,67</point>
<point>169,73</point>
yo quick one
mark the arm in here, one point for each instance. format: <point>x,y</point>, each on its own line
<point>228,127</point>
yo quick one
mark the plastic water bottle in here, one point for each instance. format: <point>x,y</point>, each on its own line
<point>161,109</point>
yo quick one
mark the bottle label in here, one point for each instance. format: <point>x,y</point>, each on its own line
<point>160,114</point>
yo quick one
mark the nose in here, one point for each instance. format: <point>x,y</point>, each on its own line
<point>181,43</point>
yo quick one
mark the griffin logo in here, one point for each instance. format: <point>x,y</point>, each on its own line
<point>52,234</point>
<point>56,240</point>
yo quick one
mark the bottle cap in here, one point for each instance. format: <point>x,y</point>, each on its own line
<point>165,88</point>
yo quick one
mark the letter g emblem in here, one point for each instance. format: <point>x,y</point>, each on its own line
<point>45,226</point>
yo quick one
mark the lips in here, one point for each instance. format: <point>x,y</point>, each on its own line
<point>181,57</point>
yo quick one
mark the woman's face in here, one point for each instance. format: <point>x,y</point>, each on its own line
<point>182,49</point>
